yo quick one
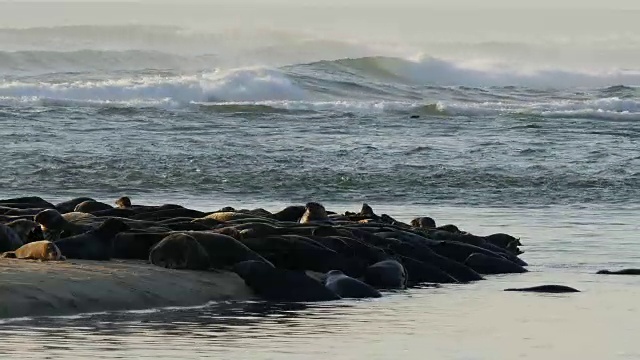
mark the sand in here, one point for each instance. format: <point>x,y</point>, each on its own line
<point>36,288</point>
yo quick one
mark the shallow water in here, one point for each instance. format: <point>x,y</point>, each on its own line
<point>472,321</point>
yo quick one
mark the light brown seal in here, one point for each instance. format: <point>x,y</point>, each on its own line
<point>38,250</point>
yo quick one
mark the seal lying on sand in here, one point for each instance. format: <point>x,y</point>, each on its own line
<point>96,244</point>
<point>179,251</point>
<point>39,250</point>
<point>620,272</point>
<point>552,289</point>
<point>348,287</point>
<point>282,285</point>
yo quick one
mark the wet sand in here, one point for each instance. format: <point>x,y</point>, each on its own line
<point>35,288</point>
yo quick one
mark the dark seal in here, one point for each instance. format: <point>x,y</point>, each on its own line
<point>179,251</point>
<point>551,289</point>
<point>275,284</point>
<point>96,244</point>
<point>387,274</point>
<point>620,272</point>
<point>348,287</point>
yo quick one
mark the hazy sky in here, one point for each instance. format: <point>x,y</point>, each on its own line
<point>602,4</point>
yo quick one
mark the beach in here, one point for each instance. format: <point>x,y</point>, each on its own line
<point>36,288</point>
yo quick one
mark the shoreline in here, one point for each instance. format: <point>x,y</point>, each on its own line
<point>30,288</point>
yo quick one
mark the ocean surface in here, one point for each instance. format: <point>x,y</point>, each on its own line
<point>463,130</point>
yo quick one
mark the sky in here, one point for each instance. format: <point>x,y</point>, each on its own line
<point>456,4</point>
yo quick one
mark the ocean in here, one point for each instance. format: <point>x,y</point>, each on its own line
<point>477,118</point>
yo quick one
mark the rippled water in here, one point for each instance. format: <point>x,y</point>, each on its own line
<point>499,132</point>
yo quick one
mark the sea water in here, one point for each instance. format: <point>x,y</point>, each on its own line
<point>476,118</point>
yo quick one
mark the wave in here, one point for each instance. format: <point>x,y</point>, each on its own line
<point>255,84</point>
<point>606,109</point>
<point>370,84</point>
<point>479,73</point>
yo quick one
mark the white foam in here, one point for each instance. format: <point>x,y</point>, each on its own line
<point>612,108</point>
<point>486,73</point>
<point>246,84</point>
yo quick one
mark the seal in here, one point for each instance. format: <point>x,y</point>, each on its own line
<point>301,253</point>
<point>252,230</point>
<point>27,201</point>
<point>123,202</point>
<point>459,251</point>
<point>96,244</point>
<point>450,228</point>
<point>164,214</point>
<point>502,240</point>
<point>39,250</point>
<point>314,212</point>
<point>224,251</point>
<point>420,272</point>
<point>290,213</point>
<point>227,216</point>
<point>78,217</point>
<point>620,272</point>
<point>348,287</point>
<point>387,274</point>
<point>91,207</point>
<point>179,251</point>
<point>27,230</point>
<point>423,222</point>
<point>54,226</point>
<point>136,245</point>
<point>275,284</point>
<point>9,239</point>
<point>492,265</point>
<point>552,289</point>
<point>68,206</point>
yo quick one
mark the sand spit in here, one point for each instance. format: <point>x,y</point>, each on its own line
<point>36,288</point>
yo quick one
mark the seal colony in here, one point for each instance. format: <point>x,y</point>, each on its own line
<point>300,253</point>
